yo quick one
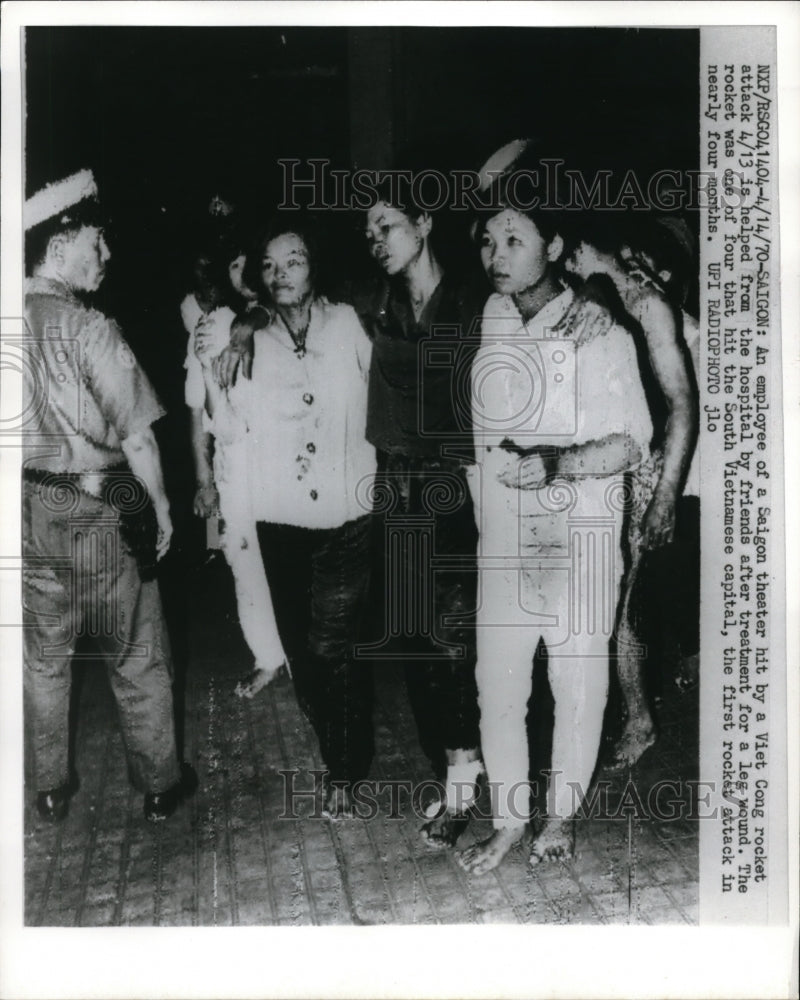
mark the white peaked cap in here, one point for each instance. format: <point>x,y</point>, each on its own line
<point>58,197</point>
<point>500,161</point>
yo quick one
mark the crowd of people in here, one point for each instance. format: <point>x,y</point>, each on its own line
<point>541,478</point>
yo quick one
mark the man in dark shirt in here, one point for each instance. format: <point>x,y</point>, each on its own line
<point>424,326</point>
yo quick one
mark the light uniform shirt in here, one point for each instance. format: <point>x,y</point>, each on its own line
<point>85,393</point>
<point>309,463</point>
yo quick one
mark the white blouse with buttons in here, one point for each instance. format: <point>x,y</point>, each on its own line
<point>309,464</point>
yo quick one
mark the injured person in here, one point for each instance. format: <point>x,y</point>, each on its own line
<point>557,424</point>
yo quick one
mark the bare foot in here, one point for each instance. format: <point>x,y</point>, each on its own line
<point>635,740</point>
<point>444,829</point>
<point>483,857</point>
<point>256,680</point>
<point>555,842</point>
<point>338,804</point>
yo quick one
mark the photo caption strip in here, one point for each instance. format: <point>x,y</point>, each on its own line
<point>743,845</point>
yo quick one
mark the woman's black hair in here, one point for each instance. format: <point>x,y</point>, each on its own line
<point>296,223</point>
<point>523,192</point>
<point>68,224</point>
<point>403,189</point>
<point>213,246</point>
<point>397,189</point>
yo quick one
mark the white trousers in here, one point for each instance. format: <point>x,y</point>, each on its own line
<point>241,548</point>
<point>550,567</point>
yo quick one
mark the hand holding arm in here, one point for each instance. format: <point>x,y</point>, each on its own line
<point>238,356</point>
<point>589,315</point>
<point>535,467</point>
<point>525,471</point>
<point>606,456</point>
<point>210,337</point>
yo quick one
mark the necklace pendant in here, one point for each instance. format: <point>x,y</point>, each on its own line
<point>300,350</point>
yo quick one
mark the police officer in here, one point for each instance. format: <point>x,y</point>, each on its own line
<point>91,409</point>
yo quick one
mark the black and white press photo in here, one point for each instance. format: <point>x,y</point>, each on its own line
<point>397,447</point>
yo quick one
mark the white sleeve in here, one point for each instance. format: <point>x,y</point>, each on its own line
<point>363,346</point>
<point>190,313</point>
<point>218,326</point>
<point>195,388</point>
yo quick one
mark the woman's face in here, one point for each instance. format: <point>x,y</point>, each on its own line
<point>236,275</point>
<point>514,254</point>
<point>393,238</point>
<point>286,270</point>
<point>206,282</point>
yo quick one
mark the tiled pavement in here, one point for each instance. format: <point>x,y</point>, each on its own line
<point>228,858</point>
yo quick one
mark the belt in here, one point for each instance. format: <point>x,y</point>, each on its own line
<point>124,493</point>
<point>420,464</point>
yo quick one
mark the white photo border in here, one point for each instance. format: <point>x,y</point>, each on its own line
<point>465,961</point>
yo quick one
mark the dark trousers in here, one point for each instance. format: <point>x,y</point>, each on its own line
<point>319,579</point>
<point>428,538</point>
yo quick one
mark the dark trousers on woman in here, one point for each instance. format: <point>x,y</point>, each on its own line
<point>319,579</point>
<point>428,537</point>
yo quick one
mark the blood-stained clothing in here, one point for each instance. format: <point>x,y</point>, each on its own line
<point>85,395</point>
<point>550,559</point>
<point>310,464</point>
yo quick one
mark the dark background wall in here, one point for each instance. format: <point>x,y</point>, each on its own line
<point>167,117</point>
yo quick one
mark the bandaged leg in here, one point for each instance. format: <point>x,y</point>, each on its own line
<point>256,614</point>
<point>504,674</point>
<point>507,635</point>
<point>253,596</point>
<point>578,664</point>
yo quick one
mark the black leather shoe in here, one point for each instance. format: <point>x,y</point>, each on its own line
<point>53,806</point>
<point>159,806</point>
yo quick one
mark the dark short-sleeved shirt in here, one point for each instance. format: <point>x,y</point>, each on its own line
<point>84,391</point>
<point>419,385</point>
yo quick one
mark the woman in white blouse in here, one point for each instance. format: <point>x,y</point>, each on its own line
<point>557,422</point>
<point>310,475</point>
